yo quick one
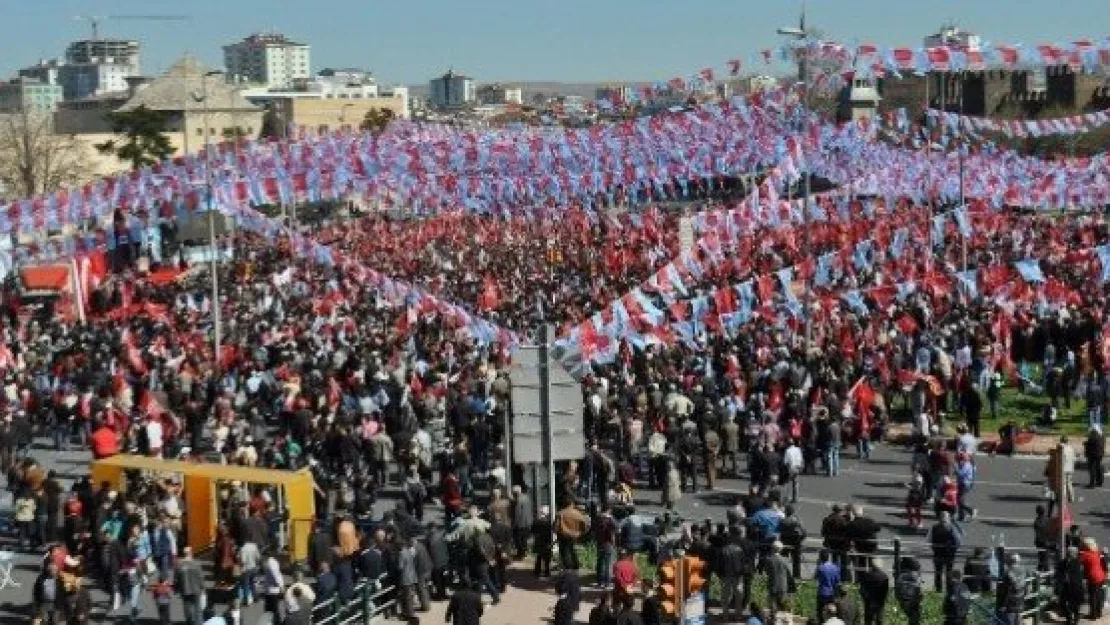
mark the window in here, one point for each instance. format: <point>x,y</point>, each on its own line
<point>200,132</point>
<point>323,128</point>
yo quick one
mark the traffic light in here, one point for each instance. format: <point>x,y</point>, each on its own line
<point>693,575</point>
<point>668,586</point>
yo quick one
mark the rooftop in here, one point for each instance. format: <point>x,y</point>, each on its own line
<point>275,39</point>
<point>452,74</point>
<point>182,83</point>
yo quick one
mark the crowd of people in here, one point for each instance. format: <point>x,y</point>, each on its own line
<point>317,370</point>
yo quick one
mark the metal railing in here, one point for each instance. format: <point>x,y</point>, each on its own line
<point>369,600</point>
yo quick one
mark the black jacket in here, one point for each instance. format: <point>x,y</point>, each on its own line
<point>465,608</point>
<point>874,586</point>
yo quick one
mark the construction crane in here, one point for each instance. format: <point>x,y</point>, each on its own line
<point>95,20</point>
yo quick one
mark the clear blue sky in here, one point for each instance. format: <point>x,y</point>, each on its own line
<point>568,40</point>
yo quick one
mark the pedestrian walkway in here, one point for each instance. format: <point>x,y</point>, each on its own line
<point>531,601</point>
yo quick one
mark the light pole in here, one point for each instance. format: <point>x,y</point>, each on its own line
<point>212,246</point>
<point>804,35</point>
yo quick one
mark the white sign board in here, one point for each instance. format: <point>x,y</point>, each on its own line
<point>568,437</point>
<point>686,235</point>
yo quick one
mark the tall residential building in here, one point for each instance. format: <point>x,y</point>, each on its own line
<point>451,91</point>
<point>44,71</point>
<point>614,93</point>
<point>497,93</point>
<point>83,80</point>
<point>92,51</point>
<point>268,59</point>
<point>29,95</point>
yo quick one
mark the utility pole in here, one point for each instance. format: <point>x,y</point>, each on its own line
<point>960,146</point>
<point>805,36</point>
<point>545,413</point>
<point>213,247</point>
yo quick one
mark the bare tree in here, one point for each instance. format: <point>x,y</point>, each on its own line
<point>34,160</point>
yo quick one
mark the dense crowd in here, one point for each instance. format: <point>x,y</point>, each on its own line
<point>317,370</point>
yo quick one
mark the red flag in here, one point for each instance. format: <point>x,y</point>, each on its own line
<point>863,396</point>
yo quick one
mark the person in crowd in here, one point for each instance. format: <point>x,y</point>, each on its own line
<point>731,567</point>
<point>48,596</point>
<point>957,600</point>
<point>1071,586</point>
<point>945,538</point>
<point>793,535</point>
<point>1094,449</point>
<point>828,579</point>
<point>602,613</point>
<point>845,605</point>
<point>570,526</point>
<point>1010,592</point>
<point>874,587</point>
<point>977,572</point>
<point>965,481</point>
<point>1094,570</point>
<point>522,521</point>
<point>863,532</point>
<point>909,589</point>
<point>543,532</point>
<point>651,608</point>
<point>189,584</point>
<point>780,583</point>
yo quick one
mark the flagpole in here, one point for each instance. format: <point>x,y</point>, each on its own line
<point>960,152</point>
<point>929,177</point>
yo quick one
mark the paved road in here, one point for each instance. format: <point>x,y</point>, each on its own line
<point>1006,494</point>
<point>1007,491</point>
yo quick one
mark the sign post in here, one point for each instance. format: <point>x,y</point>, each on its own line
<point>546,412</point>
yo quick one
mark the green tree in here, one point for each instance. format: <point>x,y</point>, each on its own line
<point>376,120</point>
<point>142,139</point>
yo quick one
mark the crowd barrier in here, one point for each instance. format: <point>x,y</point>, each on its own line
<point>370,600</point>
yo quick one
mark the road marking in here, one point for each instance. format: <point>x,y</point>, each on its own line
<point>904,477</point>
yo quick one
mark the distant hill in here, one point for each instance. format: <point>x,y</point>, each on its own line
<point>546,88</point>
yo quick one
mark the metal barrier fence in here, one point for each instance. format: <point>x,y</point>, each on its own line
<point>1038,593</point>
<point>369,600</point>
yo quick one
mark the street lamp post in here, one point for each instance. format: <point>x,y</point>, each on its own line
<point>804,35</point>
<point>212,246</point>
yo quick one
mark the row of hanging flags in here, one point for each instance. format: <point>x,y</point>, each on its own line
<point>836,64</point>
<point>956,124</point>
<point>418,170</point>
<point>435,170</point>
<point>873,240</point>
<point>480,171</point>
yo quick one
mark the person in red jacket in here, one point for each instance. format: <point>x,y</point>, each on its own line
<point>1094,570</point>
<point>451,493</point>
<point>104,442</point>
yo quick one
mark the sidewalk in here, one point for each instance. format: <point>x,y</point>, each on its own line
<point>529,601</point>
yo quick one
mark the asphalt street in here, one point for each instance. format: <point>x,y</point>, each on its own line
<point>1005,495</point>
